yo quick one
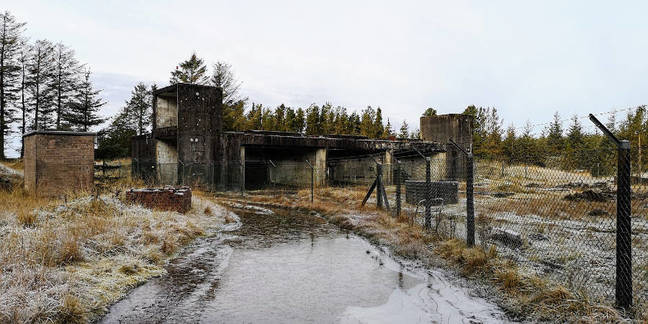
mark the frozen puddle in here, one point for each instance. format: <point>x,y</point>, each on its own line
<point>290,267</point>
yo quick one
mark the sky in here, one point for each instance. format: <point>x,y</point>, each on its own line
<point>527,59</point>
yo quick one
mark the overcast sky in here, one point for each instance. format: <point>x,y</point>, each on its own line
<point>527,59</point>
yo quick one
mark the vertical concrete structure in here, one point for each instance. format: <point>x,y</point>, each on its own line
<point>58,162</point>
<point>187,124</point>
<point>441,129</point>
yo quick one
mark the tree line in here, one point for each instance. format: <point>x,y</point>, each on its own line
<point>567,147</point>
<point>43,86</point>
<point>239,115</point>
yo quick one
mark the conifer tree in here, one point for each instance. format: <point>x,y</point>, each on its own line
<point>404,130</point>
<point>84,110</point>
<point>10,46</point>
<point>65,80</point>
<point>39,82</point>
<point>224,78</point>
<point>23,94</point>
<point>555,135</point>
<point>192,71</point>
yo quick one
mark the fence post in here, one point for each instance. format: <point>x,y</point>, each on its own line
<point>470,200</point>
<point>428,194</point>
<point>398,188</point>
<point>623,291</point>
<point>624,230</point>
<point>470,197</point>
<point>312,181</point>
<point>242,170</point>
<point>379,185</point>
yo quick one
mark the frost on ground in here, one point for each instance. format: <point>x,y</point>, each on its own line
<point>9,171</point>
<point>66,262</point>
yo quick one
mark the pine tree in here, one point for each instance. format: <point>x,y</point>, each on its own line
<point>367,122</point>
<point>224,78</point>
<point>10,46</point>
<point>139,107</point>
<point>313,121</point>
<point>254,117</point>
<point>65,80</point>
<point>388,132</point>
<point>267,120</point>
<point>84,110</point>
<point>23,95</point>
<point>378,127</point>
<point>555,135</point>
<point>39,81</point>
<point>404,130</point>
<point>191,71</point>
<point>574,148</point>
<point>355,125</point>
<point>508,145</point>
<point>114,141</point>
<point>429,112</point>
<point>234,118</point>
<point>300,120</point>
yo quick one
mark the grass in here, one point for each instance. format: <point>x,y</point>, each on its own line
<point>16,164</point>
<point>66,261</point>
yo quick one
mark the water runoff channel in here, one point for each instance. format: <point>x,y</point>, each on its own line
<point>289,266</point>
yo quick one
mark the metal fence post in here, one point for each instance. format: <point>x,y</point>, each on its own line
<point>398,188</point>
<point>624,230</point>
<point>623,291</point>
<point>242,170</point>
<point>379,184</point>
<point>470,201</point>
<point>312,181</point>
<point>428,194</point>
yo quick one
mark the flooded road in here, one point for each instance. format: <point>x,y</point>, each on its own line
<point>291,267</point>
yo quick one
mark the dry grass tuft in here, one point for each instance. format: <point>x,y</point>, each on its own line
<point>72,310</point>
<point>509,278</point>
<point>26,218</point>
<point>169,245</point>
<point>70,251</point>
<point>129,269</point>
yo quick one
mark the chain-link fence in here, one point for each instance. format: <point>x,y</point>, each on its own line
<point>557,219</point>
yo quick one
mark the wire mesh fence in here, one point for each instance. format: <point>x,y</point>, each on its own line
<point>556,219</point>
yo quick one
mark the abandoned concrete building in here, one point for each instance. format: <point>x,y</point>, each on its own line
<point>187,145</point>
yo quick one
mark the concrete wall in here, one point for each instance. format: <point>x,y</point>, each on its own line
<point>441,129</point>
<point>166,113</point>
<point>58,162</point>
<point>199,128</point>
<point>167,162</point>
<point>354,171</point>
<point>414,167</point>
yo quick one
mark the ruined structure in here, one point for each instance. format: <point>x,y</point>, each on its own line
<point>170,199</point>
<point>187,146</point>
<point>57,162</point>
<point>443,128</point>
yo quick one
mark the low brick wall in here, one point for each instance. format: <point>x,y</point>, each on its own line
<point>168,198</point>
<point>447,190</point>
